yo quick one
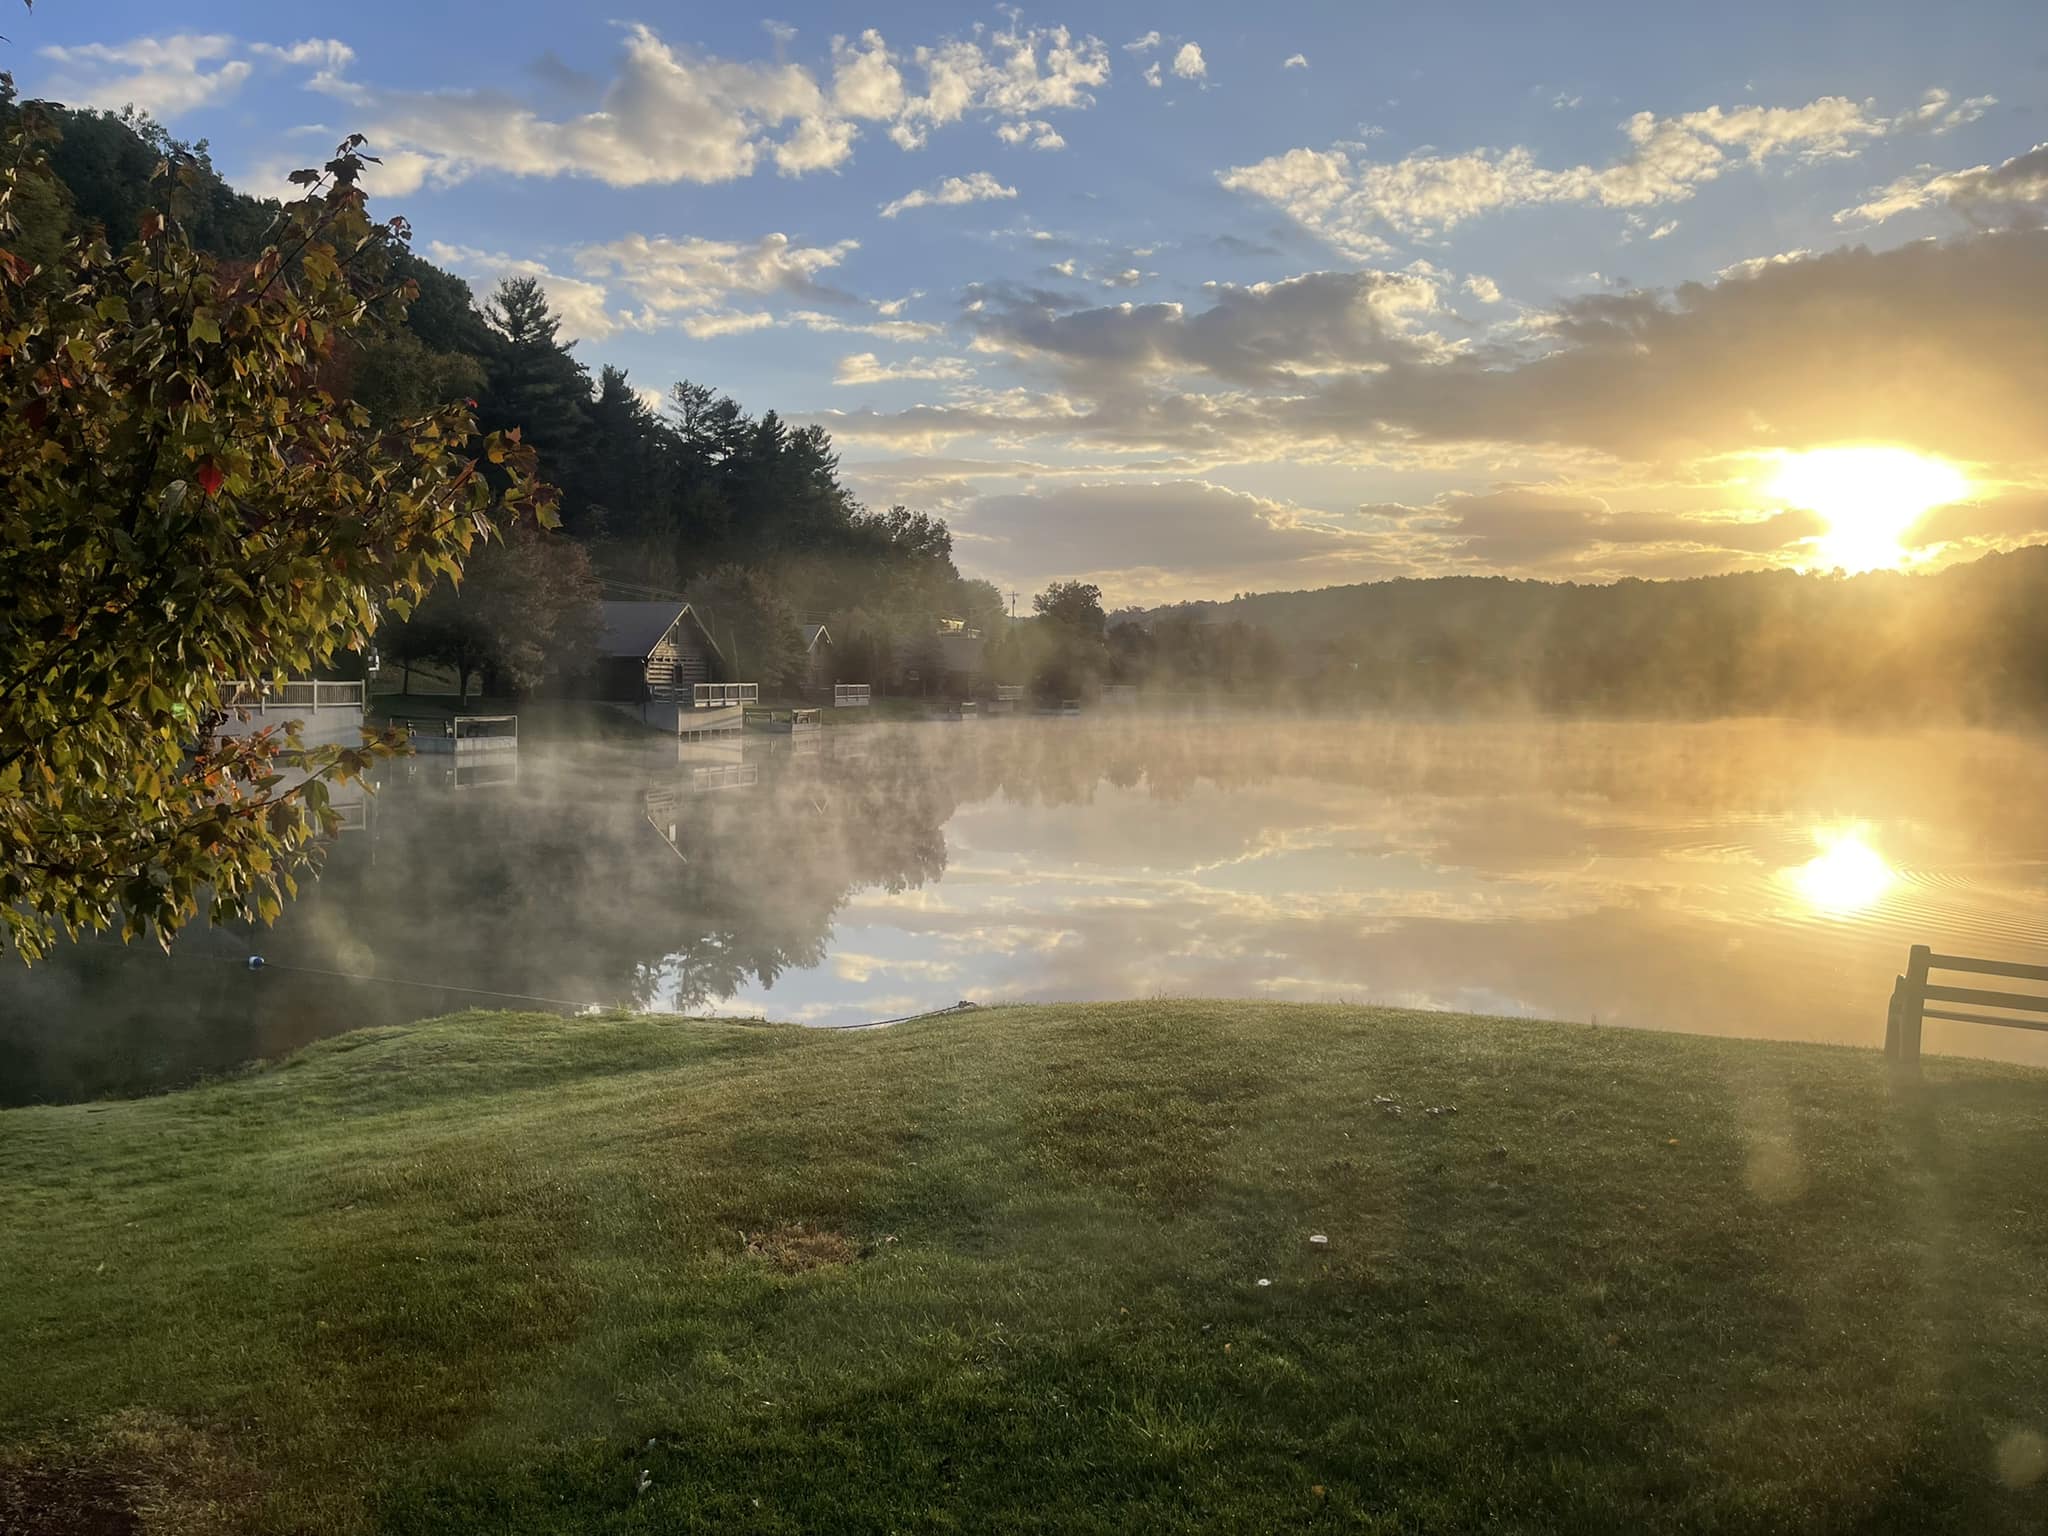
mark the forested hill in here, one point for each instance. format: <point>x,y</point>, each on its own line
<point>1972,639</point>
<point>742,512</point>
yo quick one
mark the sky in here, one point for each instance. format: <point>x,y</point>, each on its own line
<point>1198,298</point>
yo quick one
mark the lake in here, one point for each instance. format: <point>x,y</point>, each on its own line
<point>1749,877</point>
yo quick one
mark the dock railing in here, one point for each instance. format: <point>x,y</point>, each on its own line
<point>461,733</point>
<point>852,695</point>
<point>1912,992</point>
<point>723,695</point>
<point>303,693</point>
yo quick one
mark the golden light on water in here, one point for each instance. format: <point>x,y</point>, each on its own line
<point>1869,497</point>
<point>1847,875</point>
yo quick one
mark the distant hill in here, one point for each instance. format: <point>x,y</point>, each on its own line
<point>1970,640</point>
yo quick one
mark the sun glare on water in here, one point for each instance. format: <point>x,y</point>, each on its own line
<point>1870,499</point>
<point>1847,876</point>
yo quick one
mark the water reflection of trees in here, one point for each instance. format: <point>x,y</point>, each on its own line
<point>613,876</point>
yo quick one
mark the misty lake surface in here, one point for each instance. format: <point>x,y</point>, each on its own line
<point>1749,877</point>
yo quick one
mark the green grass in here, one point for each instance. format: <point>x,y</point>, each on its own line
<point>480,1274</point>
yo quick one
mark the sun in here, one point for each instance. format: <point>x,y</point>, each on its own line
<point>1847,875</point>
<point>1869,497</point>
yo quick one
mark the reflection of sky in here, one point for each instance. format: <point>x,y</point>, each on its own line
<point>1692,877</point>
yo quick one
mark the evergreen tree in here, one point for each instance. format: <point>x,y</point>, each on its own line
<point>533,384</point>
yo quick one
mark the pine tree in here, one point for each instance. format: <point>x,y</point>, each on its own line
<point>535,385</point>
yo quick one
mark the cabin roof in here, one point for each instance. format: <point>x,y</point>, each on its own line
<point>635,629</point>
<point>812,632</point>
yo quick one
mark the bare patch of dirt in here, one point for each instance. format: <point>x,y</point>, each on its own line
<point>795,1248</point>
<point>138,1475</point>
<point>40,1498</point>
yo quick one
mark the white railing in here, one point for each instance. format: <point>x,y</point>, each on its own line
<point>852,695</point>
<point>462,733</point>
<point>722,695</point>
<point>1009,693</point>
<point>296,693</point>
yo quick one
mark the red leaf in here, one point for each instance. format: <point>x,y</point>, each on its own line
<point>209,477</point>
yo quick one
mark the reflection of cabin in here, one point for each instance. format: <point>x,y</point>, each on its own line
<point>817,672</point>
<point>653,651</point>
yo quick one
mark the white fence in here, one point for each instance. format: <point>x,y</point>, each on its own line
<point>852,695</point>
<point>723,695</point>
<point>297,694</point>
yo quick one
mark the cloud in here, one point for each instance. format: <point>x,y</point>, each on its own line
<point>1152,75</point>
<point>666,275</point>
<point>1979,194</point>
<point>881,330</point>
<point>865,80</point>
<point>1355,204</point>
<point>727,322</point>
<point>1669,226</point>
<point>1142,44</point>
<point>1021,73</point>
<point>1296,61</point>
<point>1189,63</point>
<point>580,304</point>
<point>1484,289</point>
<point>1523,528</point>
<point>1038,133</point>
<point>164,76</point>
<point>1139,538</point>
<point>980,187</point>
<point>672,114</point>
<point>1916,346</point>
<point>866,368</point>
<point>1938,112</point>
<point>1260,333</point>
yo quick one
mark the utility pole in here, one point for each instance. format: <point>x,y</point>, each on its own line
<point>1013,607</point>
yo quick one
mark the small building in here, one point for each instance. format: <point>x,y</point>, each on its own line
<point>658,650</point>
<point>817,673</point>
<point>959,653</point>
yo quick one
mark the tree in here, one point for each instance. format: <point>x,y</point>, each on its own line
<point>533,384</point>
<point>1075,606</point>
<point>524,608</point>
<point>1070,656</point>
<point>752,624</point>
<point>181,505</point>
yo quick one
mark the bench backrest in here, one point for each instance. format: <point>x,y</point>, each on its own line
<point>1913,992</point>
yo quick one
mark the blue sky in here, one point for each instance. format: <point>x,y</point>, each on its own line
<point>1201,298</point>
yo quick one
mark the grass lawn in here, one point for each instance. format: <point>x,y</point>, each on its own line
<point>1003,1272</point>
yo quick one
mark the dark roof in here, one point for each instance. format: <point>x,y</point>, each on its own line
<point>635,629</point>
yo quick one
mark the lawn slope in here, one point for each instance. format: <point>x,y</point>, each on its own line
<point>1004,1272</point>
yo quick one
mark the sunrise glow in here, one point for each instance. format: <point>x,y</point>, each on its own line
<point>1870,498</point>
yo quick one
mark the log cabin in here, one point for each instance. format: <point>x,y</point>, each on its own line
<point>656,650</point>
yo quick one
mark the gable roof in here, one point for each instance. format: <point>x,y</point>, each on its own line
<point>812,632</point>
<point>635,629</point>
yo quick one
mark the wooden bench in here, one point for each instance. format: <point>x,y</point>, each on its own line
<point>1912,992</point>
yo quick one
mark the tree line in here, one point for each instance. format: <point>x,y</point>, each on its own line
<point>745,515</point>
